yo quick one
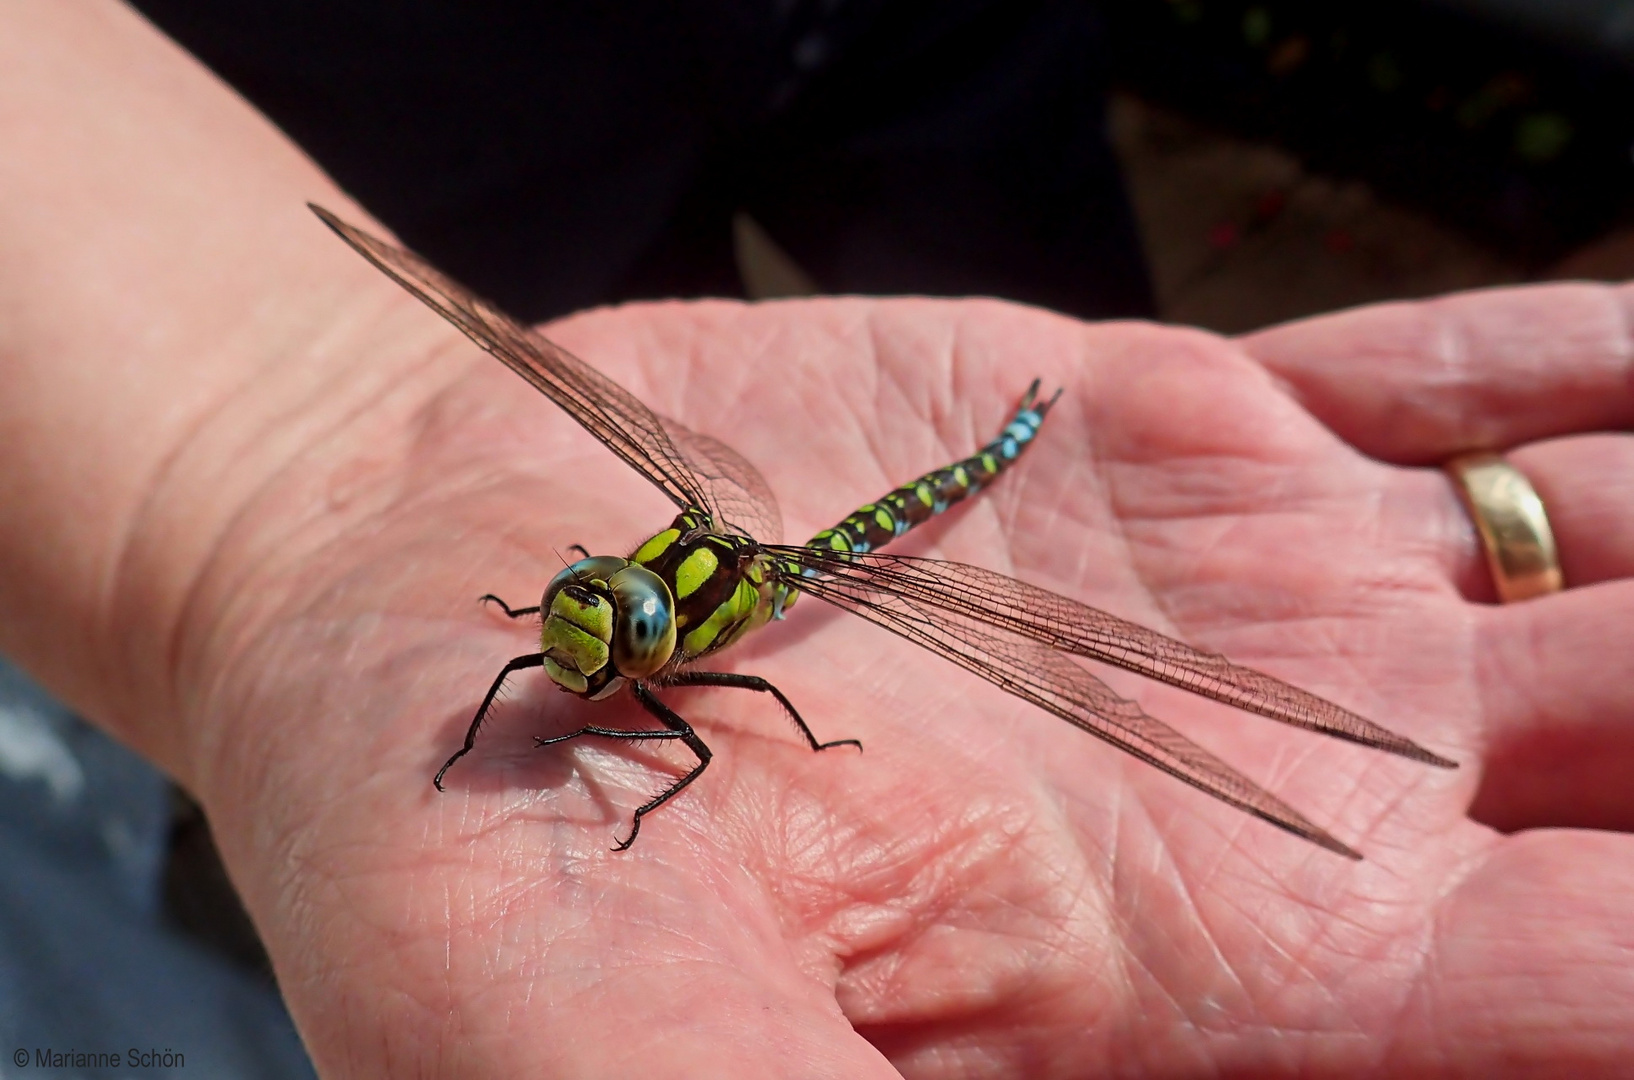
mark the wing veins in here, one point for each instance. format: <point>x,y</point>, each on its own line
<point>1068,626</point>
<point>1054,683</point>
<point>617,418</point>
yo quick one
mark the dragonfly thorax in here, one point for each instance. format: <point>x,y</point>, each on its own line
<point>605,619</point>
<point>724,584</point>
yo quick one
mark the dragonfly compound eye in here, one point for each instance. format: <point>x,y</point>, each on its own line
<point>585,571</point>
<point>644,632</point>
<point>578,627</point>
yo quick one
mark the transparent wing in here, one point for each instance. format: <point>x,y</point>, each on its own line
<point>1053,682</point>
<point>692,469</point>
<point>1029,612</point>
<point>737,494</point>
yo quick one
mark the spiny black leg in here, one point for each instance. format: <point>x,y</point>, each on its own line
<point>607,733</point>
<point>683,730</point>
<point>755,682</point>
<point>674,728</point>
<point>515,613</point>
<point>518,664</point>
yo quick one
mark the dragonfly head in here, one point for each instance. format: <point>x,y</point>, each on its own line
<point>605,618</point>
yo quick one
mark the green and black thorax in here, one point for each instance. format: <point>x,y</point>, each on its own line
<point>684,593</point>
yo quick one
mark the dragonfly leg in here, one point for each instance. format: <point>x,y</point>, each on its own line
<point>515,613</point>
<point>755,682</point>
<point>581,549</point>
<point>674,728</point>
<point>519,664</point>
<point>678,729</point>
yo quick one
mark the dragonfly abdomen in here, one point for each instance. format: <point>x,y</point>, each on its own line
<point>885,519</point>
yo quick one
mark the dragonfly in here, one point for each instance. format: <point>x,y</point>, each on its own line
<point>641,623</point>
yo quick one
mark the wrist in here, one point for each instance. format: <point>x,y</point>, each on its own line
<point>181,342</point>
<point>231,532</point>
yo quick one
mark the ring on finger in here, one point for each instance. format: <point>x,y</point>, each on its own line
<point>1514,528</point>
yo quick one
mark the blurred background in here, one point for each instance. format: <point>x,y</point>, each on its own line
<point>1227,163</point>
<point>1223,163</point>
<point>1291,158</point>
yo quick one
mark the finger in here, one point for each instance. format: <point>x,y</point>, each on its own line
<point>1529,973</point>
<point>1419,382</point>
<point>1587,487</point>
<point>1586,483</point>
<point>1558,710</point>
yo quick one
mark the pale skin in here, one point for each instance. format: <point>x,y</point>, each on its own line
<point>252,492</point>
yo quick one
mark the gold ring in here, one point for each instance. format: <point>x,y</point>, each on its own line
<point>1515,533</point>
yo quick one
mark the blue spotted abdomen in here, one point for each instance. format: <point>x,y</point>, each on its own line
<point>918,501</point>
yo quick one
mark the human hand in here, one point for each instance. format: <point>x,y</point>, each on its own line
<point>253,491</point>
<point>985,890</point>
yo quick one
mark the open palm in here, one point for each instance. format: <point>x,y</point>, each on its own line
<point>984,891</point>
<point>253,492</point>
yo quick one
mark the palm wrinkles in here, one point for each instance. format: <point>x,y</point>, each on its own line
<point>984,891</point>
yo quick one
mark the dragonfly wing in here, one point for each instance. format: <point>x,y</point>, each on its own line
<point>1055,683</point>
<point>692,469</point>
<point>735,492</point>
<point>1052,620</point>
